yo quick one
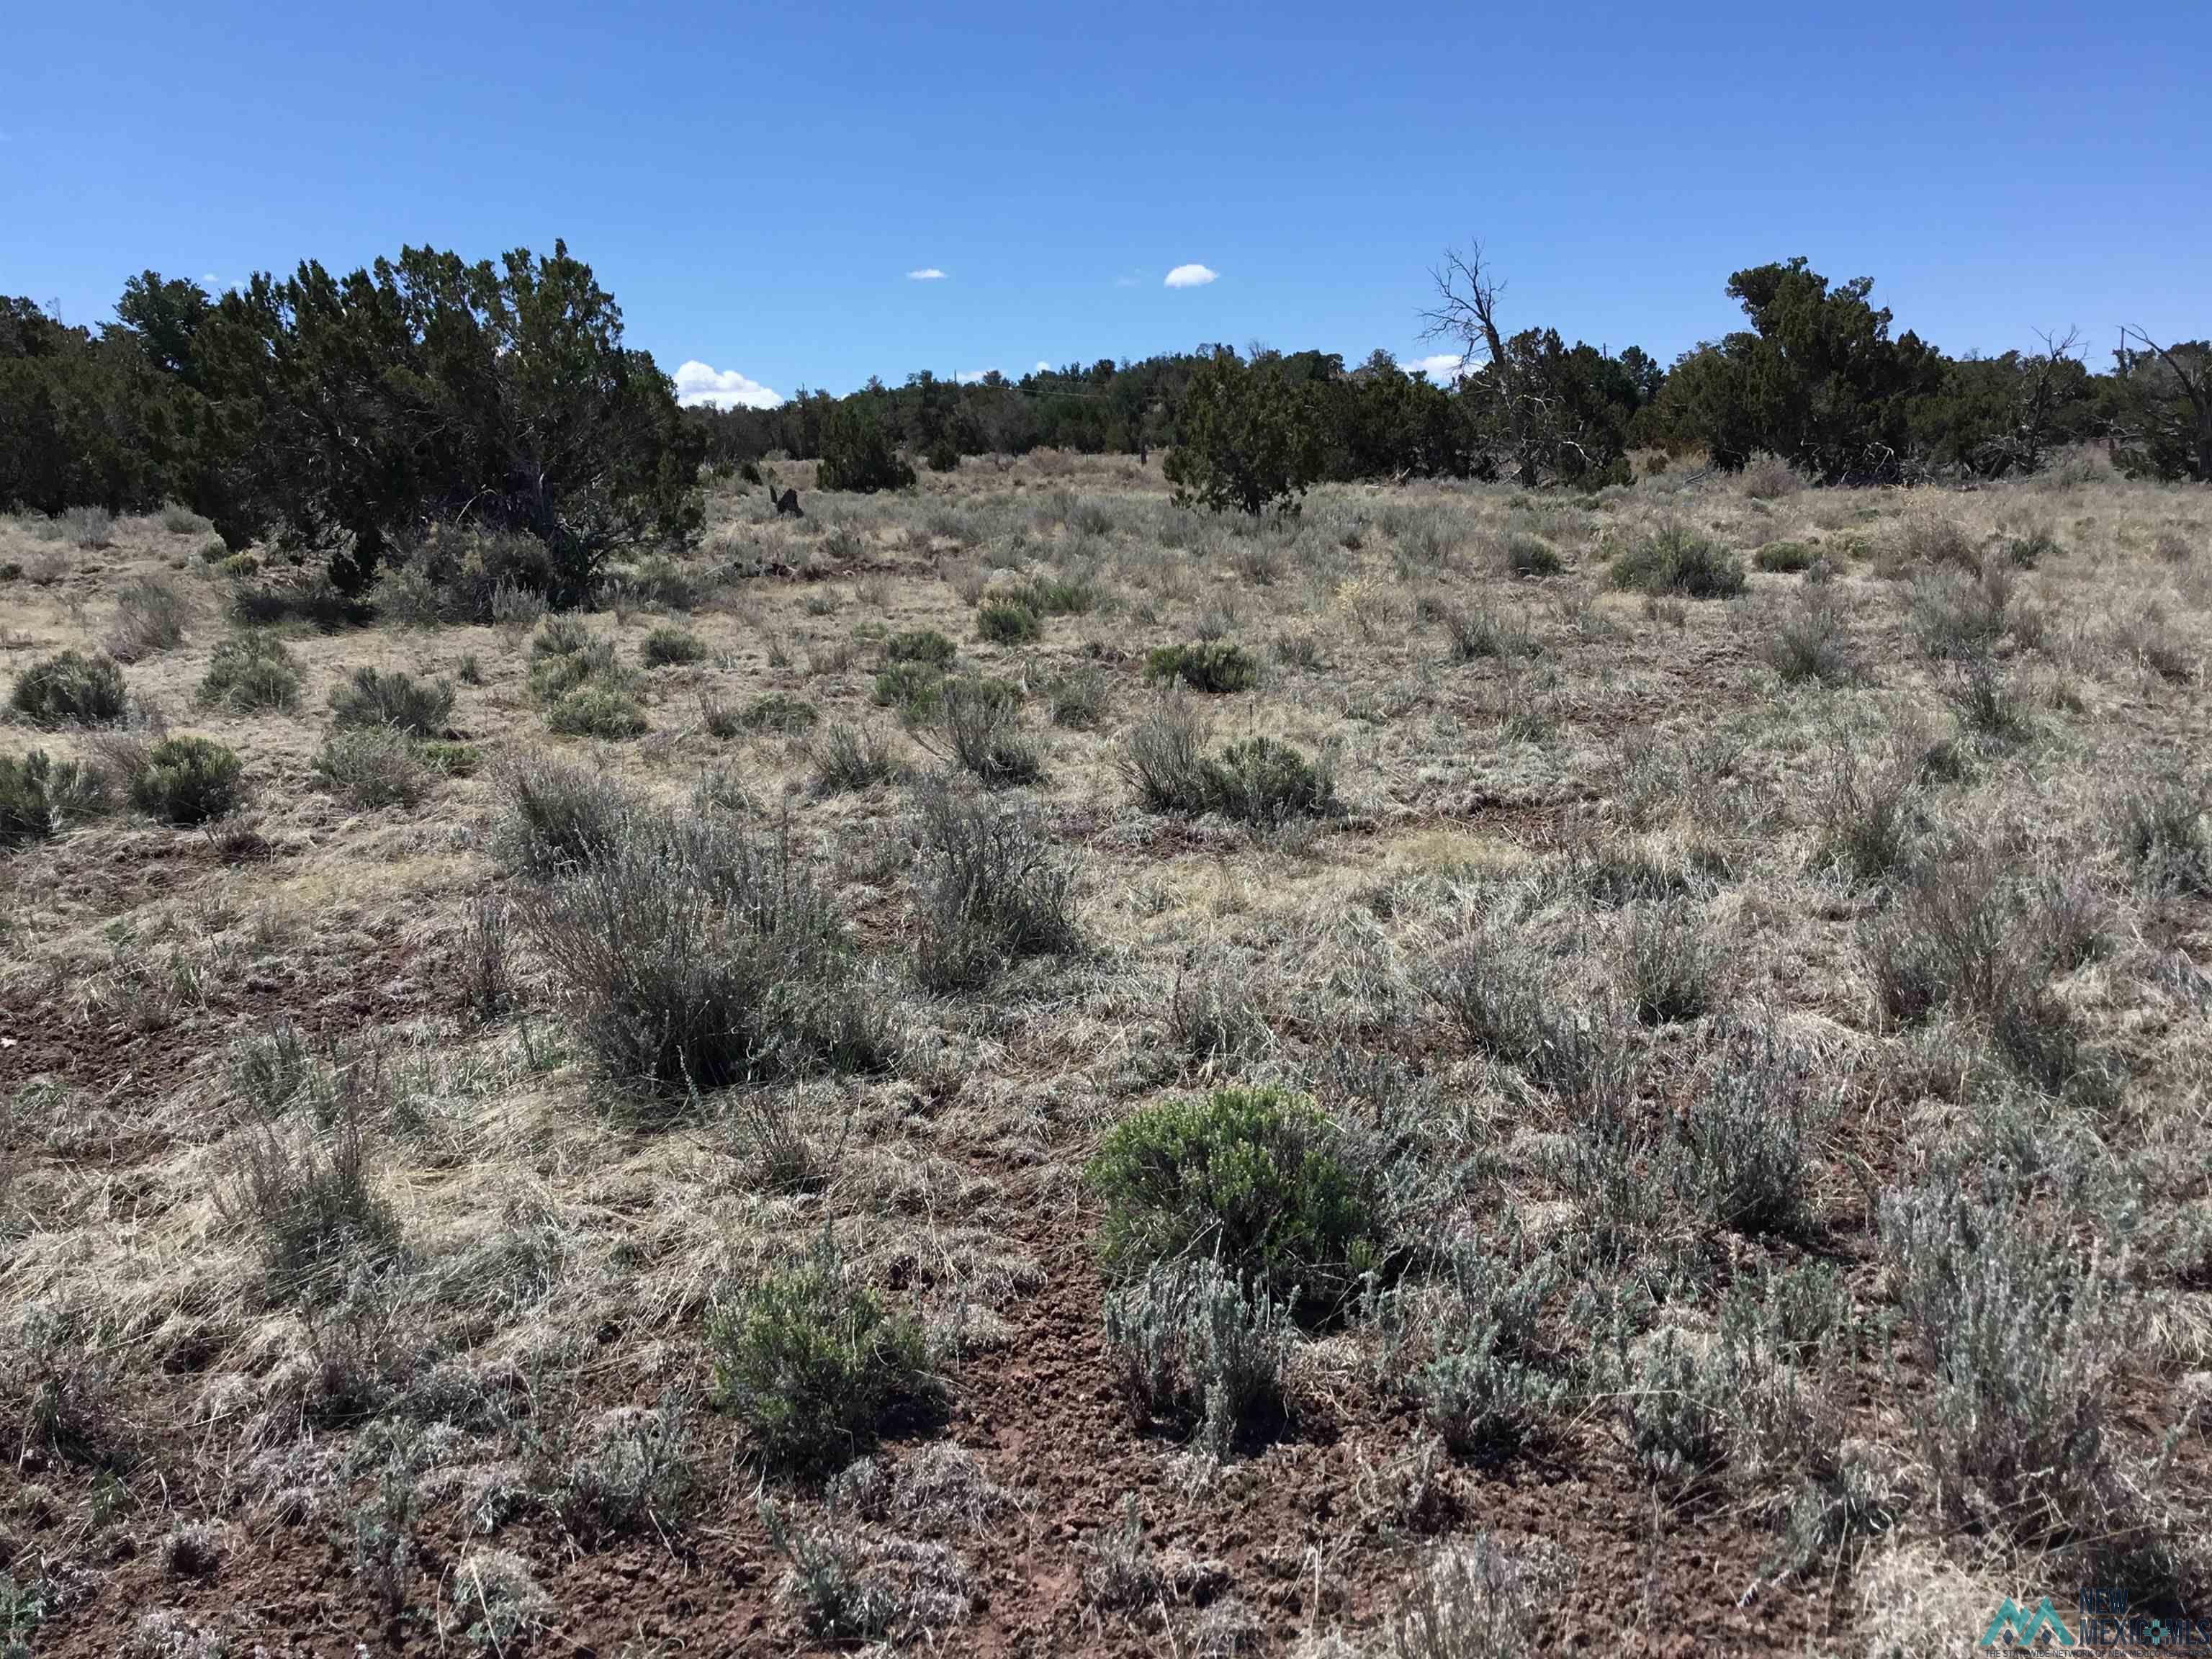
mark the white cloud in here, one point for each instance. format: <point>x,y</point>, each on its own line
<point>1191,277</point>
<point>698,384</point>
<point>971,376</point>
<point>1127,282</point>
<point>1445,366</point>
<point>1042,367</point>
<point>927,274</point>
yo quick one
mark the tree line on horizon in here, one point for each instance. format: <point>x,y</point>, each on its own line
<point>356,415</point>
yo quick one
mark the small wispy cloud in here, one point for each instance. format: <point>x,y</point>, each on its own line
<point>701,385</point>
<point>1443,366</point>
<point>1042,367</point>
<point>1191,277</point>
<point>1128,281</point>
<point>927,274</point>
<point>971,376</point>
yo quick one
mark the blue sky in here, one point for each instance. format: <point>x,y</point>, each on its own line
<point>754,182</point>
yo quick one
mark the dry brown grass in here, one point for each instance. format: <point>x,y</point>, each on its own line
<point>1616,763</point>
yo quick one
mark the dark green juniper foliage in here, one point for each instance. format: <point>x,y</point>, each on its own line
<point>1248,438</point>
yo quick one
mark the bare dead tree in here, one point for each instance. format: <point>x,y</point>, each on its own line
<point>1465,313</point>
<point>2193,380</point>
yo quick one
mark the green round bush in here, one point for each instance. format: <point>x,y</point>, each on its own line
<point>187,780</point>
<point>1258,1179</point>
<point>70,686</point>
<point>1008,622</point>
<point>1208,665</point>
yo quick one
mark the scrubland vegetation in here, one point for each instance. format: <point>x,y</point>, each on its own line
<point>1018,1065</point>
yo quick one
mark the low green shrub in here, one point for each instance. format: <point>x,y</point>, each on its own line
<point>70,686</point>
<point>372,696</point>
<point>668,647</point>
<point>596,709</point>
<point>1259,1180</point>
<point>916,690</point>
<point>924,644</point>
<point>187,780</point>
<point>815,1363</point>
<point>40,796</point>
<point>1524,555</point>
<point>251,671</point>
<point>1676,559</point>
<point>373,767</point>
<point>1209,665</point>
<point>780,712</point>
<point>1784,556</point>
<point>1004,621</point>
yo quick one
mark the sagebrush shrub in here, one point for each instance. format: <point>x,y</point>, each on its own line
<point>372,696</point>
<point>1265,781</point>
<point>777,711</point>
<point>1784,556</point>
<point>1213,666</point>
<point>1078,698</point>
<point>1164,759</point>
<point>2014,1332</point>
<point>1677,1408</point>
<point>89,527</point>
<point>1479,632</point>
<point>373,767</point>
<point>1526,556</point>
<point>1811,641</point>
<point>980,727</point>
<point>634,1475</point>
<point>1007,621</point>
<point>554,815</point>
<point>916,690</point>
<point>40,796</point>
<point>186,781</point>
<point>2163,832</point>
<point>1260,1180</point>
<point>924,644</point>
<point>251,671</point>
<point>1871,813</point>
<point>1671,963</point>
<point>1961,616</point>
<point>150,616</point>
<point>666,646</point>
<point>315,1209</point>
<point>848,758</point>
<point>70,686</point>
<point>1464,1351</point>
<point>1744,1153</point>
<point>596,709</point>
<point>1676,559</point>
<point>992,890</point>
<point>694,957</point>
<point>815,1363</point>
<point>1199,1348</point>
